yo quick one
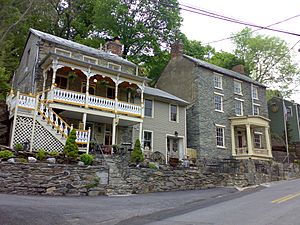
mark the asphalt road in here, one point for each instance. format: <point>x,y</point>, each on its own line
<point>278,204</point>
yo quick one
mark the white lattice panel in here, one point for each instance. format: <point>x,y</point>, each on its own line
<point>43,139</point>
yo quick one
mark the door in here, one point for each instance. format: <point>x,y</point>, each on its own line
<point>108,134</point>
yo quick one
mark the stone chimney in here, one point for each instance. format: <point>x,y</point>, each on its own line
<point>114,46</point>
<point>176,49</point>
<point>239,68</point>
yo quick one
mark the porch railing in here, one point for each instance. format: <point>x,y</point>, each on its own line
<point>77,98</point>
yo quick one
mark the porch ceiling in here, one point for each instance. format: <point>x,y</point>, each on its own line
<point>252,120</point>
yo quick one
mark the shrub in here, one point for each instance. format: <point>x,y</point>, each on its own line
<point>41,154</point>
<point>87,159</point>
<point>54,153</point>
<point>6,154</point>
<point>152,166</point>
<point>71,148</point>
<point>137,154</point>
<point>19,147</point>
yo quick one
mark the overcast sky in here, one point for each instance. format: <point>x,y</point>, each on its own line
<point>260,12</point>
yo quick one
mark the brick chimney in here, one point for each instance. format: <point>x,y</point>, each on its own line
<point>114,46</point>
<point>239,68</point>
<point>176,49</point>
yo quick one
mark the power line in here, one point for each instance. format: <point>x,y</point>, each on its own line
<point>232,20</point>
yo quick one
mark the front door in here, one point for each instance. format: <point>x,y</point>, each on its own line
<point>108,134</point>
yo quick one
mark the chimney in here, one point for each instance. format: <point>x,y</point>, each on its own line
<point>114,46</point>
<point>176,49</point>
<point>239,68</point>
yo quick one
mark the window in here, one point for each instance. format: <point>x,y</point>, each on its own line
<point>147,140</point>
<point>238,107</point>
<point>257,140</point>
<point>173,113</point>
<point>114,66</point>
<point>220,136</point>
<point>218,81</point>
<point>61,82</point>
<point>254,92</point>
<point>148,108</point>
<point>255,109</point>
<point>89,60</point>
<point>289,111</point>
<point>238,87</point>
<point>92,88</point>
<point>218,102</point>
<point>110,93</point>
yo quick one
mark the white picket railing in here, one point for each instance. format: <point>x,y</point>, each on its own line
<point>99,102</point>
<point>129,108</point>
<point>27,101</point>
<point>67,96</point>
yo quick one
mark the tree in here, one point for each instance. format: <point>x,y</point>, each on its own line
<point>137,154</point>
<point>268,60</point>
<point>273,93</point>
<point>144,26</point>
<point>71,148</point>
<point>225,59</point>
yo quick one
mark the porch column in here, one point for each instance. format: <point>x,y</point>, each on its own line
<point>233,141</point>
<point>116,95</point>
<point>114,129</point>
<point>268,143</point>
<point>87,92</point>
<point>44,83</point>
<point>11,143</point>
<point>54,68</point>
<point>141,132</point>
<point>249,140</point>
<point>142,103</point>
<point>84,120</point>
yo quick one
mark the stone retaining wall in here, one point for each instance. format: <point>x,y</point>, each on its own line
<point>52,179</point>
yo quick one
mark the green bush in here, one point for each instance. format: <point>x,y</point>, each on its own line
<point>86,159</point>
<point>71,148</point>
<point>137,154</point>
<point>19,147</point>
<point>54,153</point>
<point>41,154</point>
<point>152,166</point>
<point>6,154</point>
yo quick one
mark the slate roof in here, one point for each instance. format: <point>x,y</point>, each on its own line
<point>223,70</point>
<point>162,94</point>
<point>80,47</point>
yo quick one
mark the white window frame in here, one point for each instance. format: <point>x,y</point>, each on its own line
<point>260,140</point>
<point>115,65</point>
<point>152,113</point>
<point>90,58</point>
<point>218,79</point>
<point>234,85</point>
<point>254,92</point>
<point>256,105</point>
<point>291,111</point>
<point>177,113</point>
<point>67,53</point>
<point>218,126</point>
<point>242,106</point>
<point>222,102</point>
<point>149,131</point>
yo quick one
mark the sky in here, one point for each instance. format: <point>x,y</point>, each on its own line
<point>260,12</point>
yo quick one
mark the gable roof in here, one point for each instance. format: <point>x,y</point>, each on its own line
<point>223,70</point>
<point>80,47</point>
<point>162,94</point>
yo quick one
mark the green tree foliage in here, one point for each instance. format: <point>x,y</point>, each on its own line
<point>71,148</point>
<point>268,60</point>
<point>137,154</point>
<point>87,159</point>
<point>225,59</point>
<point>143,25</point>
<point>273,93</point>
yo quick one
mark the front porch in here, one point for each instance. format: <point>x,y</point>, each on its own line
<point>250,137</point>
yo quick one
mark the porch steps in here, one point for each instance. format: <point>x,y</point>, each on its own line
<point>117,184</point>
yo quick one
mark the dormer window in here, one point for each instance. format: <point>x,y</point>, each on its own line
<point>114,66</point>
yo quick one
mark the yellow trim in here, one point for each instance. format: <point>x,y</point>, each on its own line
<point>98,107</point>
<point>130,103</point>
<point>24,107</point>
<point>81,143</point>
<point>71,103</point>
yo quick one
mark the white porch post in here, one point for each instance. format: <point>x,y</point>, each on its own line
<point>44,83</point>
<point>84,120</point>
<point>14,121</point>
<point>268,143</point>
<point>114,129</point>
<point>142,102</point>
<point>249,140</point>
<point>116,94</point>
<point>54,68</point>
<point>87,92</point>
<point>34,121</point>
<point>233,141</point>
<point>141,132</point>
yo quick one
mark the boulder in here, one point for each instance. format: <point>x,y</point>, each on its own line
<point>11,160</point>
<point>32,159</point>
<point>51,160</point>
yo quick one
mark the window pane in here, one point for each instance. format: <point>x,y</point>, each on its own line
<point>220,136</point>
<point>148,107</point>
<point>237,87</point>
<point>218,102</point>
<point>238,108</point>
<point>173,112</point>
<point>147,140</point>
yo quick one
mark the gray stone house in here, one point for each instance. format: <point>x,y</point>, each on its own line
<point>62,85</point>
<point>228,114</point>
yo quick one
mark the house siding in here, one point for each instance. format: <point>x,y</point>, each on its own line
<point>161,125</point>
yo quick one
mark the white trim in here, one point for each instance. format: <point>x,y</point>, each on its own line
<point>240,82</point>
<point>177,113</point>
<point>174,136</point>
<point>242,107</point>
<point>254,87</point>
<point>152,138</point>
<point>152,113</point>
<point>62,51</point>
<point>238,99</point>
<point>221,78</point>
<point>223,134</point>
<point>217,93</point>
<point>256,104</point>
<point>115,65</point>
<point>219,125</point>
<point>90,58</point>
<point>222,102</point>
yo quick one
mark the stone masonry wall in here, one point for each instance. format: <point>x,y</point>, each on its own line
<point>52,179</point>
